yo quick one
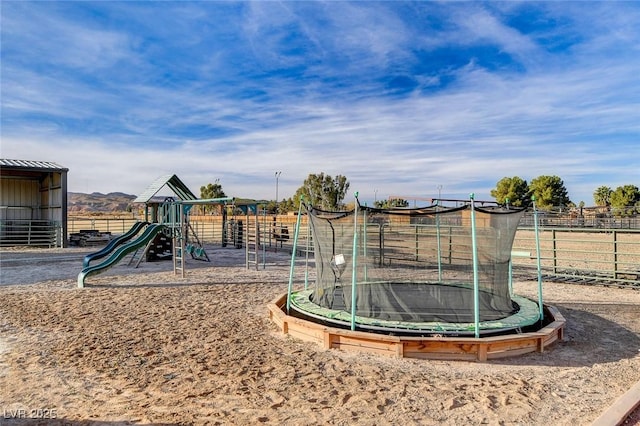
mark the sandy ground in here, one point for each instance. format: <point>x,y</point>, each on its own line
<point>146,346</point>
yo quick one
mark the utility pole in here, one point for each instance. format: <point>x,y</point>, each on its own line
<point>277,178</point>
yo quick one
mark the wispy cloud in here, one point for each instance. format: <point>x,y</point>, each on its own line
<point>399,97</point>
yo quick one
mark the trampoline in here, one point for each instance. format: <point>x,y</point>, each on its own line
<point>429,269</point>
<point>407,314</point>
<point>428,282</point>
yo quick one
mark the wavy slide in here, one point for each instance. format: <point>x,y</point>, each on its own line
<point>113,244</point>
<point>117,255</point>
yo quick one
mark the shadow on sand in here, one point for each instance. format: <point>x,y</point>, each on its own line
<point>589,338</point>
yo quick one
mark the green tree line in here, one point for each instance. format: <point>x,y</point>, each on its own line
<point>550,192</point>
<point>328,193</point>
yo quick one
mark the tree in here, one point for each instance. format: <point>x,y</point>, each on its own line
<point>286,205</point>
<point>270,207</point>
<point>602,196</point>
<point>625,199</point>
<point>549,192</point>
<point>323,191</point>
<point>389,204</point>
<point>211,190</point>
<point>513,188</point>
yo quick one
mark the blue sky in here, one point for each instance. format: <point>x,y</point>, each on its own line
<point>400,97</point>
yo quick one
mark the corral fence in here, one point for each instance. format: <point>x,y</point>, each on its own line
<point>209,228</point>
<point>42,233</point>
<point>581,255</point>
<point>585,255</point>
<point>590,221</point>
<point>114,226</point>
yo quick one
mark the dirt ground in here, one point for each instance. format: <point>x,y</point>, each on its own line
<point>145,346</point>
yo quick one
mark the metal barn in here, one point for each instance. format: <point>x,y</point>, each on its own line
<point>33,203</point>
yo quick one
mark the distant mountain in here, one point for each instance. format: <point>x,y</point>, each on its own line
<point>99,203</point>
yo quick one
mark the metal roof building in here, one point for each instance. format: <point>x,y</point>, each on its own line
<point>33,203</point>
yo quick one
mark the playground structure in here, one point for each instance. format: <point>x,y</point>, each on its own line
<point>431,282</point>
<point>166,232</point>
<point>150,241</point>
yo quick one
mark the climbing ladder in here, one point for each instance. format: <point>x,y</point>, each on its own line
<point>232,233</point>
<point>252,245</point>
<point>178,253</point>
<point>186,241</point>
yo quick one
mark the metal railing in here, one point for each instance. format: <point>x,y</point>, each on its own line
<point>115,226</point>
<point>568,220</point>
<point>579,255</point>
<point>208,228</point>
<point>30,233</point>
<point>572,254</point>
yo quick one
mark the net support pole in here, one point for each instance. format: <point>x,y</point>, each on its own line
<point>476,286</point>
<point>510,260</point>
<point>538,262</point>
<point>438,241</point>
<point>511,275</point>
<point>293,256</point>
<point>306,263</point>
<point>354,265</point>
<point>364,242</point>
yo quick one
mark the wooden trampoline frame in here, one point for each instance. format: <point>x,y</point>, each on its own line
<point>439,348</point>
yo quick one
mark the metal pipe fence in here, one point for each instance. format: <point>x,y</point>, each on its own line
<point>112,225</point>
<point>572,254</point>
<point>30,233</point>
<point>208,228</point>
<point>581,255</point>
<point>569,220</point>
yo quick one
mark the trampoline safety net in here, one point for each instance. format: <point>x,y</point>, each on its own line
<point>414,265</point>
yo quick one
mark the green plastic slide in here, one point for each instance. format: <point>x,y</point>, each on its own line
<point>122,251</point>
<point>114,244</point>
